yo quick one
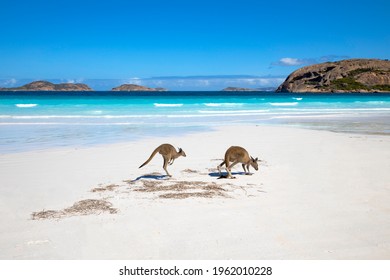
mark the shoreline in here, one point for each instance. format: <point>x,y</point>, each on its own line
<point>183,131</point>
<point>317,195</point>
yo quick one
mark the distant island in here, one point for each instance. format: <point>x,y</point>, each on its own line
<point>132,87</point>
<point>352,75</point>
<point>238,89</point>
<point>248,89</point>
<point>47,86</point>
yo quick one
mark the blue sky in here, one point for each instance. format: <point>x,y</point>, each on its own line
<point>123,40</point>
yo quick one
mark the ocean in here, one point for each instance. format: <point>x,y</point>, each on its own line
<point>42,120</point>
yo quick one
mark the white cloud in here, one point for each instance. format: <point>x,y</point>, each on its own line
<point>269,82</point>
<point>254,82</point>
<point>193,82</point>
<point>12,81</point>
<point>204,83</point>
<point>251,81</point>
<point>9,83</point>
<point>158,83</point>
<point>74,81</point>
<point>213,83</point>
<point>288,61</point>
<point>332,57</point>
<point>134,80</point>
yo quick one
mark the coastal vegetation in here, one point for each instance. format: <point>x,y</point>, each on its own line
<point>347,84</point>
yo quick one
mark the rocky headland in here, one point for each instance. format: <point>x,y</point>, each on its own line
<point>352,75</point>
<point>47,86</point>
<point>133,87</point>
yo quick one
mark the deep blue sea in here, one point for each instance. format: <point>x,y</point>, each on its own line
<point>41,120</point>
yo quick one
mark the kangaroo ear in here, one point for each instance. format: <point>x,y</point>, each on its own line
<point>252,158</point>
<point>180,150</point>
<point>256,159</point>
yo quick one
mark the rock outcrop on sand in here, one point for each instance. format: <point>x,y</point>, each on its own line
<point>132,87</point>
<point>352,75</point>
<point>47,86</point>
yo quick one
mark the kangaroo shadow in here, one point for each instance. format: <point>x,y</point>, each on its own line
<point>223,175</point>
<point>151,176</point>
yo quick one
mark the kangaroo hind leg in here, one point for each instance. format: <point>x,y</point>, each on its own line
<point>228,169</point>
<point>219,167</point>
<point>165,166</point>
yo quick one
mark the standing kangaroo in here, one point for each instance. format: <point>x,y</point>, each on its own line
<point>236,155</point>
<point>168,153</point>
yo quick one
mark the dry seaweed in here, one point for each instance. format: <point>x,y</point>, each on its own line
<point>190,171</point>
<point>208,194</point>
<point>183,189</point>
<point>45,214</point>
<point>83,207</point>
<point>91,206</point>
<point>106,188</point>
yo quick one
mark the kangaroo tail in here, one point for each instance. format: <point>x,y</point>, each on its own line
<point>151,156</point>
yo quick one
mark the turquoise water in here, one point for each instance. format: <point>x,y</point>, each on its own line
<point>39,120</point>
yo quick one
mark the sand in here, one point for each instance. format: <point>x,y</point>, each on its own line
<point>317,195</point>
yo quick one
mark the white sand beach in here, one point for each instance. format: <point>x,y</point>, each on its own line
<point>317,195</point>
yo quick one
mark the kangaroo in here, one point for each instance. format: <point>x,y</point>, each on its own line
<point>236,155</point>
<point>168,153</point>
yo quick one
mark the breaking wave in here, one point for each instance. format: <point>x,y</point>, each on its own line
<point>284,104</point>
<point>167,105</point>
<point>26,105</point>
<point>223,104</point>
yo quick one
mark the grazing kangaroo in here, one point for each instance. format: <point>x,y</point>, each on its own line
<point>168,153</point>
<point>236,155</point>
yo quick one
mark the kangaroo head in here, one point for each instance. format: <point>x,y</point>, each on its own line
<point>254,164</point>
<point>182,153</point>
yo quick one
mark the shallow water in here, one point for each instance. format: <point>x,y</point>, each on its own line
<point>40,120</point>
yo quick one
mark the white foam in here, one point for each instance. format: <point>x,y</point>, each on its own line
<point>231,111</point>
<point>297,98</point>
<point>227,114</point>
<point>78,117</point>
<point>167,105</point>
<point>372,102</point>
<point>97,112</point>
<point>26,105</point>
<point>223,104</point>
<point>69,123</point>
<point>284,103</point>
